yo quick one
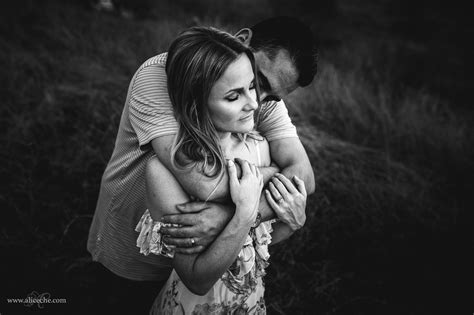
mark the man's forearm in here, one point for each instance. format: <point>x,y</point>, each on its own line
<point>291,157</point>
<point>281,232</point>
<point>192,180</point>
<point>264,208</point>
<point>300,171</point>
<point>304,172</point>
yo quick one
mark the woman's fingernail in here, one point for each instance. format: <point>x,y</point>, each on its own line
<point>296,177</point>
<point>230,163</point>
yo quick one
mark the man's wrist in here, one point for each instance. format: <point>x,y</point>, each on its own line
<point>265,210</point>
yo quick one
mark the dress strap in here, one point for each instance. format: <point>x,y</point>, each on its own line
<point>221,177</point>
<point>259,158</point>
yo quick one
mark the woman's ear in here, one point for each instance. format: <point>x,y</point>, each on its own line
<point>244,35</point>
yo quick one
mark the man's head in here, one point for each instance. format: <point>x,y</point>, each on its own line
<point>286,55</point>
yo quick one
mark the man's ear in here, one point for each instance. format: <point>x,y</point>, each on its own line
<point>244,35</point>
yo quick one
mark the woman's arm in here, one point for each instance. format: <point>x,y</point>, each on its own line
<point>204,220</point>
<point>200,271</point>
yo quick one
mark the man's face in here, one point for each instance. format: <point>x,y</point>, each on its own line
<point>278,77</point>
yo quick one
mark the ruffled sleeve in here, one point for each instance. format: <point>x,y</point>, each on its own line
<point>150,239</point>
<point>263,238</point>
<point>254,254</point>
<point>241,277</point>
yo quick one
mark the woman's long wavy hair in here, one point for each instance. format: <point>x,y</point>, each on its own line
<point>197,58</point>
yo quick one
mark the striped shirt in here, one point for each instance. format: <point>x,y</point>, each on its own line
<point>147,114</point>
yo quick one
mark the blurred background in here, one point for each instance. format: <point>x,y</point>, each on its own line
<point>387,124</point>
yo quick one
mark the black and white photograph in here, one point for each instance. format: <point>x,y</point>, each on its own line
<point>236,157</point>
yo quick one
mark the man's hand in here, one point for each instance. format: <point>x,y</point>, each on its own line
<point>200,221</point>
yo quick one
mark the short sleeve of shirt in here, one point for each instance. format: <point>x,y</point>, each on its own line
<point>150,109</point>
<point>274,122</point>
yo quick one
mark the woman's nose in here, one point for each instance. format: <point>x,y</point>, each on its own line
<point>252,103</point>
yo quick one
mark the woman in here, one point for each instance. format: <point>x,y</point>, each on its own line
<point>212,88</point>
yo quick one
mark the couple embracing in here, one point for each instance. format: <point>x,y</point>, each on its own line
<point>207,169</point>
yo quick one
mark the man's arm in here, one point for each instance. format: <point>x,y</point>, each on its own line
<point>204,220</point>
<point>193,181</point>
<point>200,271</point>
<point>290,155</point>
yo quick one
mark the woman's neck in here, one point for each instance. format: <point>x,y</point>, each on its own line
<point>226,141</point>
<point>224,136</point>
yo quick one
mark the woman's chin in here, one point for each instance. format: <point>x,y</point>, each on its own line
<point>250,126</point>
<point>245,128</point>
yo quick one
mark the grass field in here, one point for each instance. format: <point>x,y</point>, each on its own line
<point>388,230</point>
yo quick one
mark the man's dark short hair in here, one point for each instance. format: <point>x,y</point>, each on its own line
<point>288,33</point>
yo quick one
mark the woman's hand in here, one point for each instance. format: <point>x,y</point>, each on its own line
<point>245,192</point>
<point>288,201</point>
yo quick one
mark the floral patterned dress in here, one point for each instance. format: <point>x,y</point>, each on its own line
<point>240,289</point>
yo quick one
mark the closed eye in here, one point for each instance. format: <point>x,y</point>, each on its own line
<point>233,97</point>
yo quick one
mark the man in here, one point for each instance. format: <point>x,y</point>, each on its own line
<point>285,55</point>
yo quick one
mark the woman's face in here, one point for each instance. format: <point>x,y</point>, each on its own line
<point>232,101</point>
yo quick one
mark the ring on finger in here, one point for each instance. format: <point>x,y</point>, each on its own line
<point>193,242</point>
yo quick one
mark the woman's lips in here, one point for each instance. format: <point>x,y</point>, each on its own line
<point>247,117</point>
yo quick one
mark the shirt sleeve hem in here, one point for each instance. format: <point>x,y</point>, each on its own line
<point>145,144</point>
<point>271,138</point>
